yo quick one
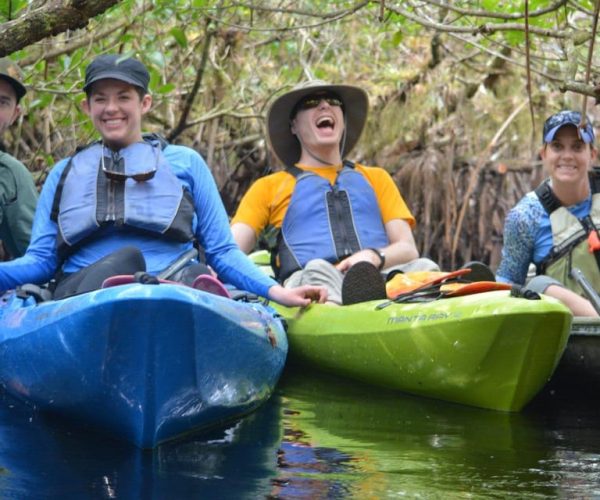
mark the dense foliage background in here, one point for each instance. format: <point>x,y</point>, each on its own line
<point>458,89</point>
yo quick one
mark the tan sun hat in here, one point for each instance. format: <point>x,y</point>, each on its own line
<point>285,144</point>
<point>10,72</point>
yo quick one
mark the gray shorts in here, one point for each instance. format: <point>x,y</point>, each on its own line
<point>540,283</point>
<point>421,264</point>
<point>319,272</point>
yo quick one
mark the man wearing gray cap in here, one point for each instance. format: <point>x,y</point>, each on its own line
<point>18,195</point>
<point>340,224</point>
<point>130,202</point>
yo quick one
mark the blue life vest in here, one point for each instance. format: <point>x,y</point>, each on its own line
<point>330,222</point>
<point>87,200</point>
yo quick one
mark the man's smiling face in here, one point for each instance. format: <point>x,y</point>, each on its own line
<point>319,122</point>
<point>9,109</point>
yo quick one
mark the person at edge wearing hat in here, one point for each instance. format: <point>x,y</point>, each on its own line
<point>556,226</point>
<point>18,195</point>
<point>340,223</point>
<point>130,203</point>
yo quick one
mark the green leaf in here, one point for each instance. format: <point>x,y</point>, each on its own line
<point>127,37</point>
<point>157,58</point>
<point>489,5</point>
<point>9,10</point>
<point>515,38</point>
<point>66,62</point>
<point>165,89</point>
<point>179,36</point>
<point>41,101</point>
<point>537,4</point>
<point>155,78</point>
<point>397,38</point>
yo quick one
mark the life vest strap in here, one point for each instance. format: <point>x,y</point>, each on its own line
<point>551,203</point>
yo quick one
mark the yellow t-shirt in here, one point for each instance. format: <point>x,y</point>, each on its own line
<point>267,200</point>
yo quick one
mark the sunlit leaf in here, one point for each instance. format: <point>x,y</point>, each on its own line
<point>41,101</point>
<point>157,58</point>
<point>10,10</point>
<point>165,89</point>
<point>515,38</point>
<point>397,38</point>
<point>179,36</point>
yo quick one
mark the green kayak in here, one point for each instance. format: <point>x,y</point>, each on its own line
<point>489,350</point>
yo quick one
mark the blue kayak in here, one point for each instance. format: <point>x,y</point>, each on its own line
<point>145,363</point>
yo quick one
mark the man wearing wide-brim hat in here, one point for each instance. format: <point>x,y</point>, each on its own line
<point>18,195</point>
<point>340,223</point>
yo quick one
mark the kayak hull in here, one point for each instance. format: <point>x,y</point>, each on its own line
<point>145,363</point>
<point>581,360</point>
<point>488,350</point>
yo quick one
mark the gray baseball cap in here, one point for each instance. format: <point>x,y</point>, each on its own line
<point>11,72</point>
<point>117,67</point>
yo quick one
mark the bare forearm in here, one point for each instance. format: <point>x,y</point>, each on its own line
<point>400,253</point>
<point>244,236</point>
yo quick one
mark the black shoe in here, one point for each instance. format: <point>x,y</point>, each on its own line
<point>363,282</point>
<point>479,272</point>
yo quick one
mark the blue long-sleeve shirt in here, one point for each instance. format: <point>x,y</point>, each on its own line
<point>528,237</point>
<point>40,262</point>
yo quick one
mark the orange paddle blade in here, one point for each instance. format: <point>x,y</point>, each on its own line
<point>403,283</point>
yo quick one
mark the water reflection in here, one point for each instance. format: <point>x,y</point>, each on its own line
<point>321,437</point>
<point>387,444</point>
<point>40,458</point>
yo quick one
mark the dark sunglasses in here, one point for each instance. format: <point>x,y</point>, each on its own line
<point>312,101</point>
<point>116,168</point>
<point>573,118</point>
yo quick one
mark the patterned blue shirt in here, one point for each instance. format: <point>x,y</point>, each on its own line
<point>528,237</point>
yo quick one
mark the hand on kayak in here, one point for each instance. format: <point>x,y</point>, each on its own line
<point>299,296</point>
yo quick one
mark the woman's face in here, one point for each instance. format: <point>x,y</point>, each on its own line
<point>116,110</point>
<point>567,158</point>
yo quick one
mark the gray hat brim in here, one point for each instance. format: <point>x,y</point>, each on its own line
<point>284,143</point>
<point>17,86</point>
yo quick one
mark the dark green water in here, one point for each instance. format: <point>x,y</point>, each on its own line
<point>322,437</point>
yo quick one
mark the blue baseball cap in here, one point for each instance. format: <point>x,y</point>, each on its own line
<point>568,117</point>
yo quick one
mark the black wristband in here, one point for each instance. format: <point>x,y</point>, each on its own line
<point>381,256</point>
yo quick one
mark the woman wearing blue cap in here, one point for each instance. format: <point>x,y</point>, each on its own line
<point>556,226</point>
